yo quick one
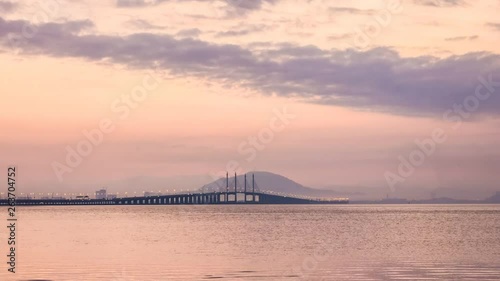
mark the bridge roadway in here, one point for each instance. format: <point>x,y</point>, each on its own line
<point>213,198</point>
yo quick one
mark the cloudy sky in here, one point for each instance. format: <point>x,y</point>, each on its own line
<point>325,92</point>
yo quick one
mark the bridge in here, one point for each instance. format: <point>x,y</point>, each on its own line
<point>214,197</point>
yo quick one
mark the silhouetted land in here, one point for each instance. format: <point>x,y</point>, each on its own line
<point>495,199</point>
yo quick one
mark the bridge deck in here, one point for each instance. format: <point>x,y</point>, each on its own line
<point>219,198</point>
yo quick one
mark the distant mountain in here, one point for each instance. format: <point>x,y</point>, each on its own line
<point>493,199</point>
<point>266,181</point>
<point>412,193</point>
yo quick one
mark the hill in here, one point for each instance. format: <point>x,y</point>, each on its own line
<point>266,181</point>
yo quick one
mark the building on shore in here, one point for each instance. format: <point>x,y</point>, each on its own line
<point>101,194</point>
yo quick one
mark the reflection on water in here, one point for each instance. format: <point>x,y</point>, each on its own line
<point>257,243</point>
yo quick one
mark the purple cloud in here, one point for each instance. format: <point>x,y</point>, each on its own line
<point>6,6</point>
<point>235,7</point>
<point>377,79</point>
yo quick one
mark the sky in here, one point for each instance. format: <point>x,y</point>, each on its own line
<point>396,94</point>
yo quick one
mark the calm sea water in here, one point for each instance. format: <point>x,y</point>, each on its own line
<point>352,242</point>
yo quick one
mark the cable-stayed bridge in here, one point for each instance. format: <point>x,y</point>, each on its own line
<point>246,193</point>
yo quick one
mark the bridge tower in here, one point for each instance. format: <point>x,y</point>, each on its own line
<point>253,188</point>
<point>227,188</point>
<point>235,188</point>
<point>245,191</point>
